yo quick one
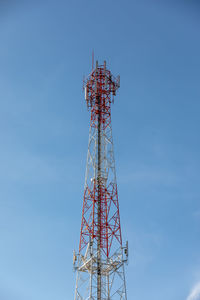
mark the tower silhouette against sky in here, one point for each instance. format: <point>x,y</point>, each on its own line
<point>100,260</point>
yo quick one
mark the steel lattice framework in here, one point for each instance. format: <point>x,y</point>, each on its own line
<point>100,262</point>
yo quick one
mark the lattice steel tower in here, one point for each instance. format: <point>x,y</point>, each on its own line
<point>101,257</point>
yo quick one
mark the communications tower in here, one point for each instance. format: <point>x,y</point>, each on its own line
<point>100,260</point>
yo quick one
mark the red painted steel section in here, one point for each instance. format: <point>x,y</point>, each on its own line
<point>100,85</point>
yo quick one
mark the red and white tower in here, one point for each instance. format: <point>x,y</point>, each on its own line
<point>101,257</point>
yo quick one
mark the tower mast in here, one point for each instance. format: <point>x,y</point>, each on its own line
<point>100,260</point>
<point>99,176</point>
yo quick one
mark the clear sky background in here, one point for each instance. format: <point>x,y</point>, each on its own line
<point>46,48</point>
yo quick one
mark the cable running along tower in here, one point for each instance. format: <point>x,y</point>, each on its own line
<point>101,257</point>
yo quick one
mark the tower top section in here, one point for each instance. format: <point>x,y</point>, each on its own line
<point>99,86</point>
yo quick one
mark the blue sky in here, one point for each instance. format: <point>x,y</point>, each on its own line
<point>46,49</point>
